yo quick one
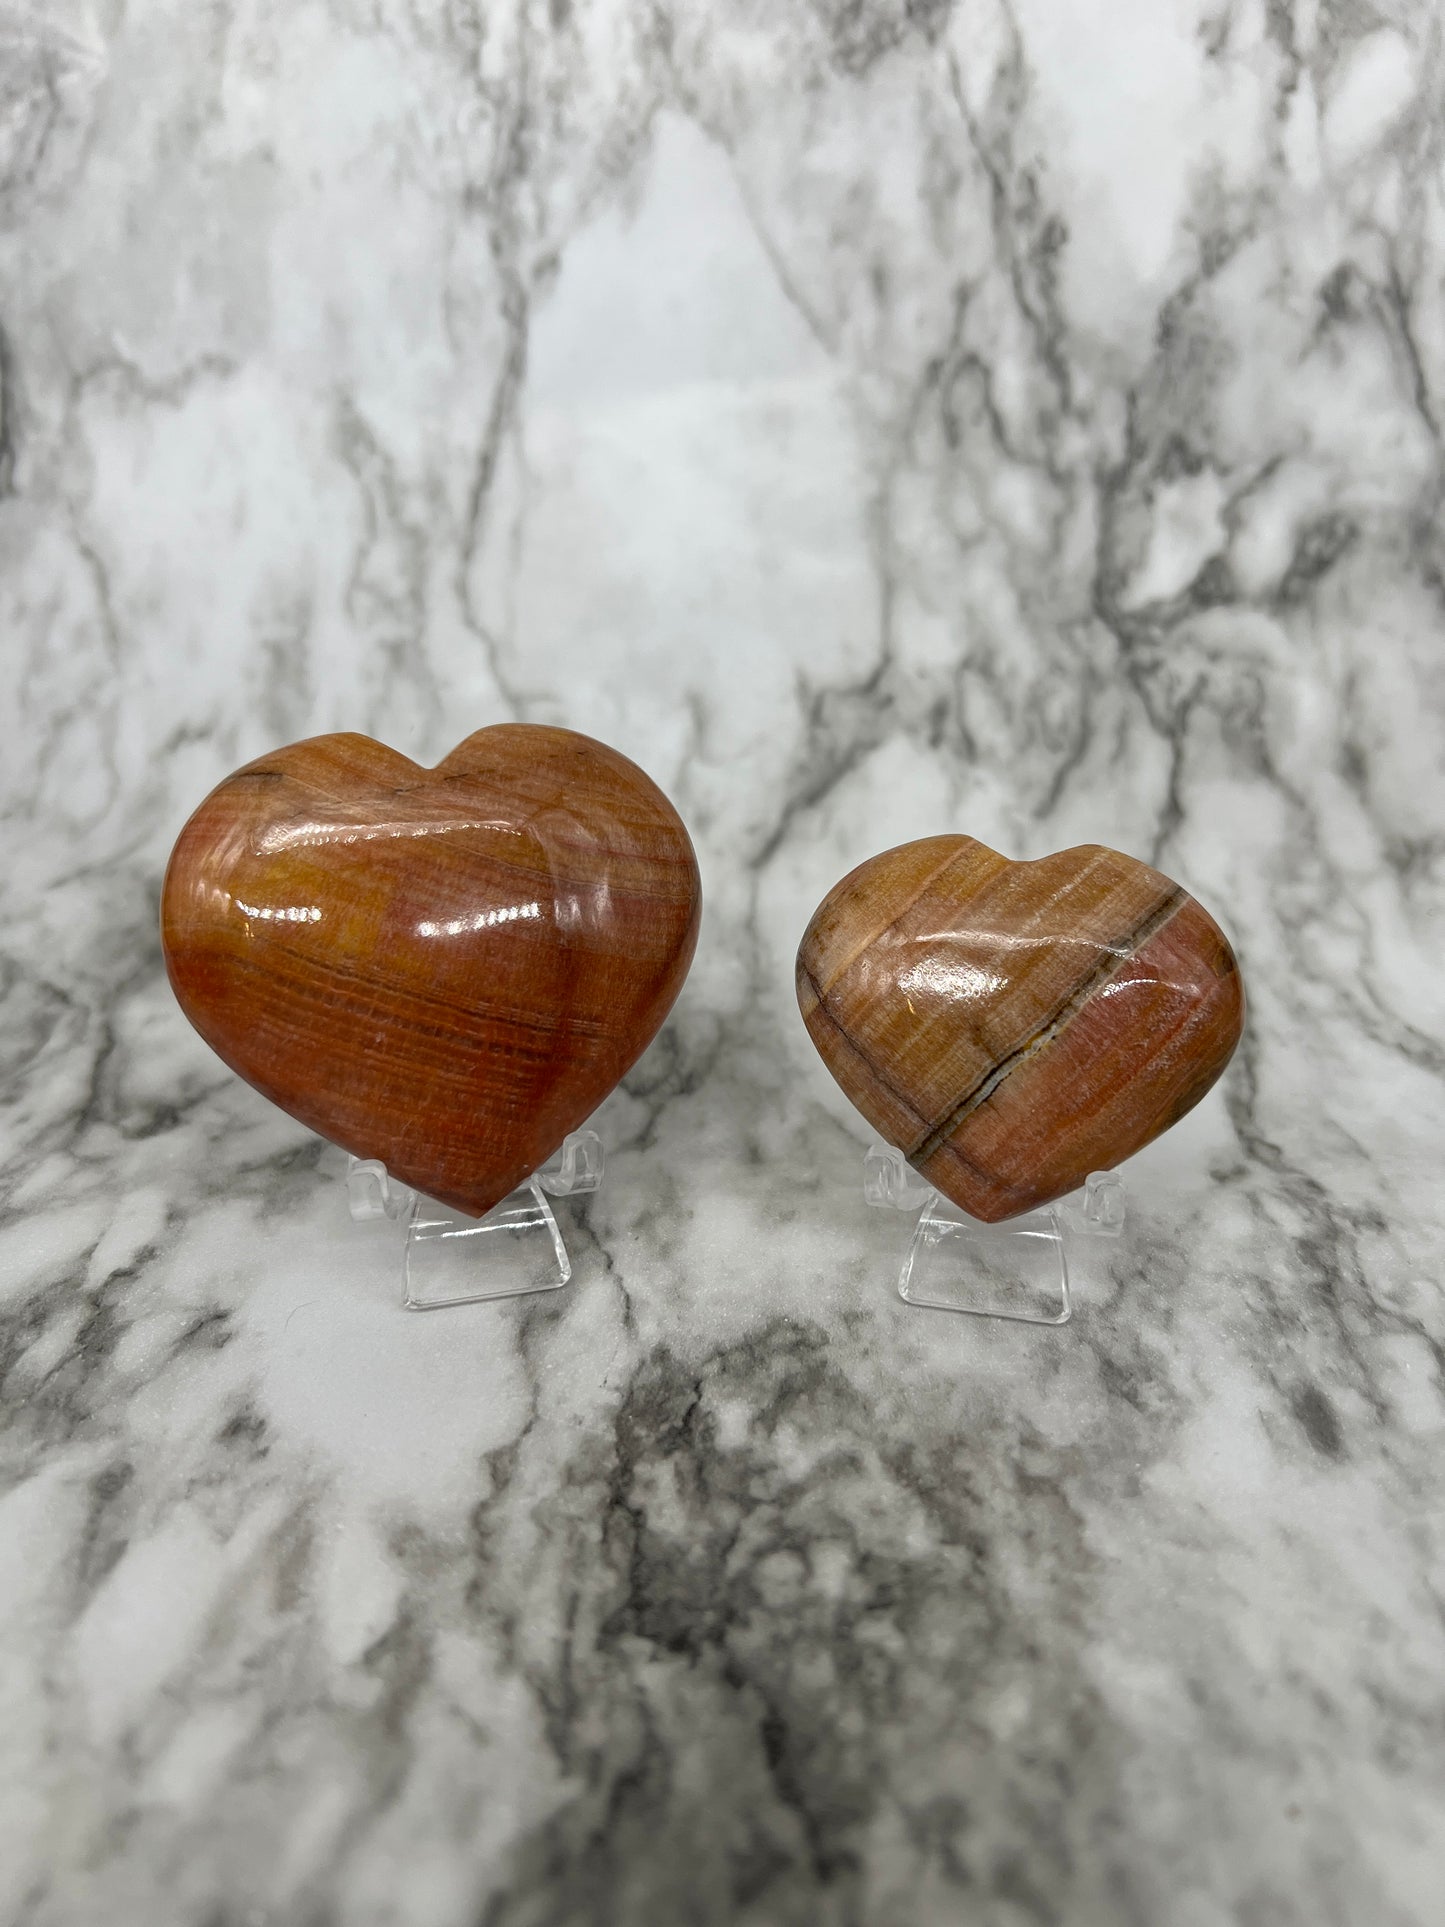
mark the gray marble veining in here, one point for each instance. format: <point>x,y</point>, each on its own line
<point>877,417</point>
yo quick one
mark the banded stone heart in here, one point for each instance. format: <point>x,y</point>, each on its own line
<point>1011,1027</point>
<point>447,969</point>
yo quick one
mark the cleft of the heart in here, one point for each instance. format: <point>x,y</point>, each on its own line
<point>1013,1027</point>
<point>447,969</point>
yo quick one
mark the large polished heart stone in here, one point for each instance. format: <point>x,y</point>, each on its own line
<point>447,969</point>
<point>1011,1027</point>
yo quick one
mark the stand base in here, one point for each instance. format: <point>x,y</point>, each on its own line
<point>1018,1270</point>
<point>514,1250</point>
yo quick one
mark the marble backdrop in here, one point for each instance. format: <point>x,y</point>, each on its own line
<point>877,417</point>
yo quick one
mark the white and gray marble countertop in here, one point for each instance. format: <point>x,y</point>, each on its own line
<point>877,417</point>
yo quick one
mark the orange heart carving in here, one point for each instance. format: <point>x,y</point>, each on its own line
<point>447,969</point>
<point>1011,1027</point>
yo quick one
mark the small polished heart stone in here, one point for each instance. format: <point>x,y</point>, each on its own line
<point>447,969</point>
<point>1012,1027</point>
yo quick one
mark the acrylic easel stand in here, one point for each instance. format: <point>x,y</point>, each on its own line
<point>455,1260</point>
<point>1017,1270</point>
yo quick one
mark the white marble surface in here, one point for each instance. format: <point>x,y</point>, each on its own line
<point>876,417</point>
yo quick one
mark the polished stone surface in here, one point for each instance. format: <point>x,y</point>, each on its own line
<point>444,970</point>
<point>875,420</point>
<point>1013,1027</point>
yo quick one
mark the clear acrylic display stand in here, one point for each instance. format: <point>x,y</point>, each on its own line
<point>1017,1270</point>
<point>455,1260</point>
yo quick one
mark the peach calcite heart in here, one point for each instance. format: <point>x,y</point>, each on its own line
<point>1011,1027</point>
<point>447,969</point>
